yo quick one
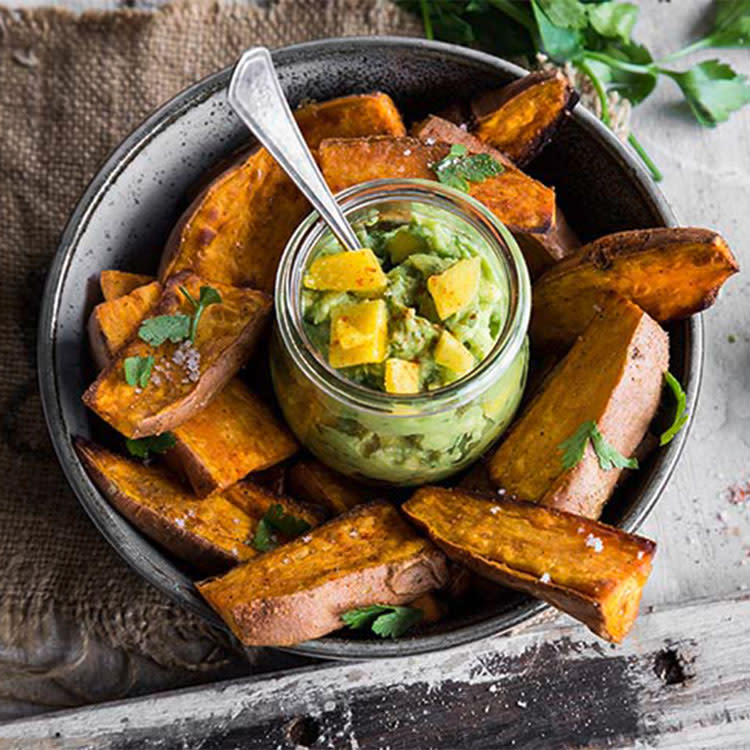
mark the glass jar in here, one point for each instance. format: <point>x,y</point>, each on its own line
<point>393,438</point>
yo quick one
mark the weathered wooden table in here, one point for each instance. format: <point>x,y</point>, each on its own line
<point>682,680</point>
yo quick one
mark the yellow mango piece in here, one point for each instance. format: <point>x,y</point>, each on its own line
<point>370,320</point>
<point>452,354</point>
<point>355,271</point>
<point>401,376</point>
<point>456,287</point>
<point>348,336</point>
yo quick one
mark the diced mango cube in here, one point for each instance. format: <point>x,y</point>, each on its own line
<point>370,320</point>
<point>401,376</point>
<point>355,271</point>
<point>456,287</point>
<point>348,336</point>
<point>453,355</point>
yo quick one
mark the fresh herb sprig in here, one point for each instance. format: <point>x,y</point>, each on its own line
<point>596,38</point>
<point>609,457</point>
<point>387,621</point>
<point>208,296</point>
<point>157,330</point>
<point>680,413</point>
<point>277,521</point>
<point>144,447</point>
<point>459,168</point>
<point>137,370</point>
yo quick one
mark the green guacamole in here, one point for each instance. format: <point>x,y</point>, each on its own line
<point>410,250</point>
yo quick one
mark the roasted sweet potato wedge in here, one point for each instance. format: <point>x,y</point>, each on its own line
<point>114,322</point>
<point>185,376</point>
<point>518,201</point>
<point>314,482</point>
<point>522,117</point>
<point>236,228</point>
<point>613,377</point>
<point>671,273</point>
<point>234,435</point>
<point>299,591</point>
<point>540,249</point>
<point>211,534</point>
<point>594,572</point>
<point>116,284</point>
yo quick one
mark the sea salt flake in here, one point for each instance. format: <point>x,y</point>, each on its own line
<point>545,578</point>
<point>180,522</point>
<point>495,509</point>
<point>306,538</point>
<point>522,704</point>
<point>594,542</point>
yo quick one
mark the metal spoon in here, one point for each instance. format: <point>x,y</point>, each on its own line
<point>256,96</point>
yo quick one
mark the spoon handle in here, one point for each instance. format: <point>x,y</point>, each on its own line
<point>256,96</point>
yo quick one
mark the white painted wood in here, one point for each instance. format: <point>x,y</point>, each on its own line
<point>709,708</point>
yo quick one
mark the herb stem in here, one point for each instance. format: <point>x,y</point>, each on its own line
<point>426,19</point>
<point>647,160</point>
<point>601,94</point>
<point>694,47</point>
<point>613,62</point>
<point>515,12</point>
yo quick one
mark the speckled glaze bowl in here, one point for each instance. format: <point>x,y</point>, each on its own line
<point>125,215</point>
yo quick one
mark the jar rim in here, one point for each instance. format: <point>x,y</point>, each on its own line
<point>367,195</point>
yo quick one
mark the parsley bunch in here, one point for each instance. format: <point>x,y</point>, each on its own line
<point>596,38</point>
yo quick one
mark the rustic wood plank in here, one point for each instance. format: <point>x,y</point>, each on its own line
<point>681,681</point>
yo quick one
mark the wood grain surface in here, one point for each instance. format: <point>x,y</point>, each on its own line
<point>551,687</point>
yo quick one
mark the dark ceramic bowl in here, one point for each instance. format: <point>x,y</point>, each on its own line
<point>128,210</point>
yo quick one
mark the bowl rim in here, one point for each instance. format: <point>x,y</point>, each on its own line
<point>115,163</point>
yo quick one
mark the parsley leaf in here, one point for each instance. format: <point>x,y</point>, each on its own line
<point>385,620</point>
<point>713,91</point>
<point>573,448</point>
<point>567,14</point>
<point>208,296</point>
<point>275,520</point>
<point>156,331</point>
<point>609,457</point>
<point>613,20</point>
<point>138,370</point>
<point>144,447</point>
<point>459,168</point>
<point>558,42</point>
<point>680,414</point>
<point>731,24</point>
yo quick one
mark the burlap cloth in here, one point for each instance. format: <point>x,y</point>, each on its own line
<point>76,624</point>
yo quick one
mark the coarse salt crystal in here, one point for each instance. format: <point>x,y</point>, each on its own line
<point>407,152</point>
<point>594,542</point>
<point>306,538</point>
<point>521,704</point>
<point>353,533</point>
<point>545,578</point>
<point>180,522</point>
<point>429,141</point>
<point>640,554</point>
<point>495,509</point>
<point>581,529</point>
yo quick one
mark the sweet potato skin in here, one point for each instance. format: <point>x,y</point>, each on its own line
<point>613,376</point>
<point>235,230</point>
<point>226,336</point>
<point>234,435</point>
<point>594,572</point>
<point>314,482</point>
<point>518,201</point>
<point>116,284</point>
<point>114,322</point>
<point>671,273</point>
<point>522,117</point>
<point>299,591</point>
<point>210,534</point>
